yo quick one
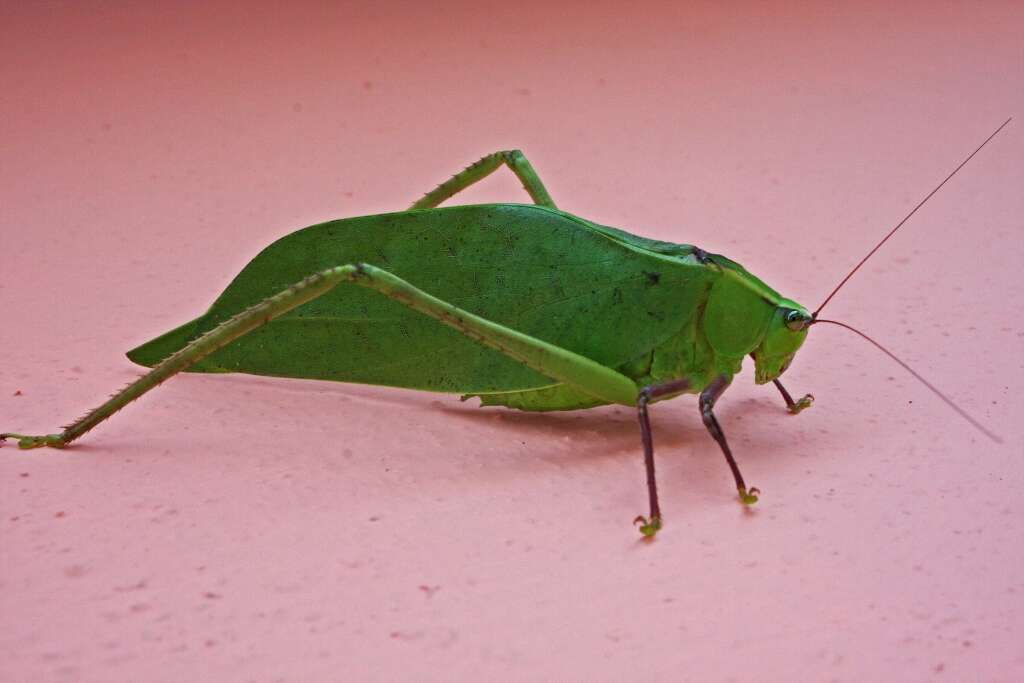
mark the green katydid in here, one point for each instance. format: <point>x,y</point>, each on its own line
<point>539,309</point>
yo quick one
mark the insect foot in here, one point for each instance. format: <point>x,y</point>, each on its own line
<point>648,527</point>
<point>806,402</point>
<point>52,440</point>
<point>748,497</point>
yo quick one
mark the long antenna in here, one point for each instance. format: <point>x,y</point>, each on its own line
<point>892,232</point>
<point>960,411</point>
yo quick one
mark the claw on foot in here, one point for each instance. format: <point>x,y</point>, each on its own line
<point>749,497</point>
<point>52,440</point>
<point>648,527</point>
<point>802,404</point>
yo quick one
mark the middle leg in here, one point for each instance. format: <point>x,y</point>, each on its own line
<point>650,525</point>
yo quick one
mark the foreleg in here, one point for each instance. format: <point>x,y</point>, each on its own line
<point>707,401</point>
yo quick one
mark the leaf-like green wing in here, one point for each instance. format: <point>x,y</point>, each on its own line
<point>533,269</point>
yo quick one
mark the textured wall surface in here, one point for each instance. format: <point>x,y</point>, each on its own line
<point>233,528</point>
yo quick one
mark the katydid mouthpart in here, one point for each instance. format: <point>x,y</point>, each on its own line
<point>523,306</point>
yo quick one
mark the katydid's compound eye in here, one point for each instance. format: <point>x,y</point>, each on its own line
<point>796,320</point>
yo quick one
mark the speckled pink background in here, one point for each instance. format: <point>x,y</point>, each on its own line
<point>230,528</point>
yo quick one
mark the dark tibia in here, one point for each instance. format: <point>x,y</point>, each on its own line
<point>708,398</point>
<point>790,403</point>
<point>650,525</point>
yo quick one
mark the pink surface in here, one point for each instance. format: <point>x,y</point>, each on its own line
<point>238,528</point>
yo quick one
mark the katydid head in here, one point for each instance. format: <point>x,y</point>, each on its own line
<point>782,339</point>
